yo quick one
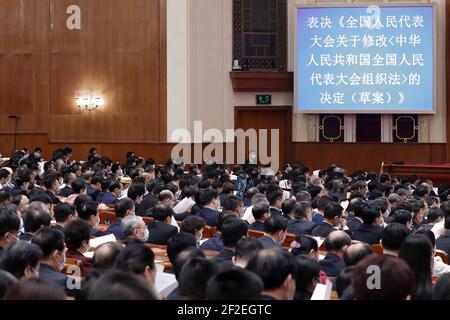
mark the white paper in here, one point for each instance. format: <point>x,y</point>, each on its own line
<point>165,283</point>
<point>322,291</point>
<point>436,191</point>
<point>94,243</point>
<point>316,172</point>
<point>233,177</point>
<point>89,254</point>
<point>183,205</point>
<point>319,241</point>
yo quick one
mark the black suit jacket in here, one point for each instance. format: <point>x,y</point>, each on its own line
<point>210,216</point>
<point>268,243</point>
<point>275,211</point>
<point>257,225</point>
<point>116,229</point>
<point>147,203</point>
<point>353,223</point>
<point>300,227</point>
<point>332,265</point>
<point>322,230</point>
<point>48,273</point>
<point>443,242</point>
<point>66,191</point>
<point>368,233</point>
<point>223,259</point>
<point>160,232</point>
<point>52,196</point>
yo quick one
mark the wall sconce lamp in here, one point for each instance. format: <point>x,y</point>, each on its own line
<point>89,100</point>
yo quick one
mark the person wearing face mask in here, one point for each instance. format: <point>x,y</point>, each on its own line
<point>51,242</point>
<point>23,184</point>
<point>275,228</point>
<point>88,212</point>
<point>9,228</point>
<point>77,235</point>
<point>193,225</point>
<point>134,227</point>
<point>211,202</point>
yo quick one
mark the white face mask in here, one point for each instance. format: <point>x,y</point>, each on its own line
<point>146,235</point>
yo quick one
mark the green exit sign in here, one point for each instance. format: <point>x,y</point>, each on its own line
<point>264,99</point>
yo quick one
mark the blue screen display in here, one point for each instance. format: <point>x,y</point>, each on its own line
<point>365,59</point>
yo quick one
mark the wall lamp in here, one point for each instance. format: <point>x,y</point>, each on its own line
<point>89,100</point>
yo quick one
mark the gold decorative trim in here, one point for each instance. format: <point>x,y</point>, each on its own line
<point>322,128</point>
<point>395,127</point>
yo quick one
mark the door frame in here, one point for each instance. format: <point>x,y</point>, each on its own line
<point>287,120</point>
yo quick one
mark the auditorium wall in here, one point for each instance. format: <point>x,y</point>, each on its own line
<point>48,52</point>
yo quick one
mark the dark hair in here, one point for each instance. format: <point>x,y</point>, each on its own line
<point>370,213</point>
<point>63,211</point>
<point>136,190</point>
<point>274,224</point>
<point>246,248</point>
<point>79,201</point>
<point>76,231</point>
<point>178,243</point>
<point>192,224</point>
<point>41,196</point>
<point>113,186</point>
<point>49,240</point>
<point>35,289</point>
<point>233,230</point>
<point>105,255</point>
<point>441,290</point>
<point>273,266</point>
<point>231,203</point>
<point>356,253</point>
<point>135,258</point>
<point>402,216</point>
<point>88,209</point>
<point>274,197</point>
<point>344,280</point>
<point>122,206</point>
<point>9,221</point>
<point>306,244</point>
<point>301,210</point>
<point>6,281</point>
<point>259,209</point>
<point>207,196</point>
<point>434,214</point>
<point>194,277</point>
<point>18,256</point>
<point>393,236</point>
<point>417,251</point>
<point>308,269</point>
<point>227,285</point>
<point>162,211</point>
<point>49,180</point>
<point>78,185</point>
<point>222,216</point>
<point>332,210</point>
<point>322,202</point>
<point>35,219</point>
<point>287,206</point>
<point>117,285</point>
<point>183,257</point>
<point>397,278</point>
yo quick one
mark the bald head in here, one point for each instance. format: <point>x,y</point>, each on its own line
<point>356,252</point>
<point>105,255</point>
<point>337,242</point>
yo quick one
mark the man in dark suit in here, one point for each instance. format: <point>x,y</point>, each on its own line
<point>216,242</point>
<point>51,185</point>
<point>335,244</point>
<point>160,229</point>
<point>370,231</point>
<point>301,224</point>
<point>332,218</point>
<point>275,200</point>
<point>67,190</point>
<point>149,201</point>
<point>233,230</point>
<point>211,202</point>
<point>37,217</point>
<point>51,241</point>
<point>123,208</point>
<point>354,219</point>
<point>260,213</point>
<point>321,203</point>
<point>275,228</point>
<point>64,213</point>
<point>95,187</point>
<point>443,242</point>
<point>111,197</point>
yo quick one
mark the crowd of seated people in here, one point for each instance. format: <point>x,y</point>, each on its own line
<point>228,232</point>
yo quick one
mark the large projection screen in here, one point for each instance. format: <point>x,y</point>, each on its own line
<point>366,59</point>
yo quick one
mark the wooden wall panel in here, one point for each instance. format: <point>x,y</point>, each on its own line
<point>117,52</point>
